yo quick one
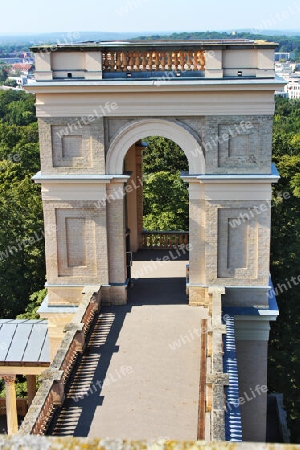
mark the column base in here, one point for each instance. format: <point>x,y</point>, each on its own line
<point>58,317</point>
<point>64,295</point>
<point>118,293</point>
<point>198,295</point>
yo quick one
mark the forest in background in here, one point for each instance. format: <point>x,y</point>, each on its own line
<point>21,44</point>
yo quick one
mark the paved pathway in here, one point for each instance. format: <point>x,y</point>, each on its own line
<point>139,377</point>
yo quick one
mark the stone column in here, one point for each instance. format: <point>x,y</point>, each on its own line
<point>139,194</point>
<point>252,357</point>
<point>11,404</point>
<point>134,196</point>
<point>31,388</point>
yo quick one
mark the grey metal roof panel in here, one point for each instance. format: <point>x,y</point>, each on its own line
<point>24,341</point>
<point>45,351</point>
<point>7,332</point>
<point>35,343</point>
<point>19,341</point>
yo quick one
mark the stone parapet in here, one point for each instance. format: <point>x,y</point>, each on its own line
<point>50,395</point>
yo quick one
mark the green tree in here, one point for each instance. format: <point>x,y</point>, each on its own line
<point>22,261</point>
<point>162,154</point>
<point>35,301</point>
<point>3,74</point>
<point>166,204</point>
<point>165,201</point>
<point>284,345</point>
<point>22,268</point>
<point>11,83</point>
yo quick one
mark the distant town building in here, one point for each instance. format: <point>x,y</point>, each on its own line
<point>21,81</point>
<point>24,68</point>
<point>286,56</point>
<point>288,71</point>
<point>292,89</point>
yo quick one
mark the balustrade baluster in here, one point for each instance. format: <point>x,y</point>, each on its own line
<point>118,61</point>
<point>144,60</point>
<point>195,61</point>
<point>124,60</point>
<point>170,55</point>
<point>108,56</point>
<point>114,60</point>
<point>157,60</point>
<point>182,57</point>
<point>175,60</point>
<point>131,61</point>
<point>202,60</point>
<point>139,61</point>
<point>189,60</point>
<point>163,60</point>
<point>104,60</point>
<point>135,65</point>
<point>150,61</point>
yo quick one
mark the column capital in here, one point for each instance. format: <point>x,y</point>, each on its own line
<point>8,379</point>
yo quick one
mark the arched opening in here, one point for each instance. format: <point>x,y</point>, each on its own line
<point>157,214</point>
<point>135,131</point>
<point>168,232</point>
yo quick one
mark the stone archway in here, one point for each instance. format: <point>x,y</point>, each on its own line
<point>126,138</point>
<point>176,131</point>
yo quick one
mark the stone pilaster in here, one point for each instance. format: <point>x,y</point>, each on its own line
<point>116,243</point>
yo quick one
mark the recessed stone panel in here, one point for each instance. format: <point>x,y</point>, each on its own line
<point>71,146</point>
<point>237,244</point>
<point>237,253</point>
<point>238,146</point>
<point>76,256</point>
<point>76,241</point>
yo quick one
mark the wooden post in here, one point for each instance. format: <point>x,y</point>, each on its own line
<point>31,388</point>
<point>11,404</point>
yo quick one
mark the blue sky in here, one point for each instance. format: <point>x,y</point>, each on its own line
<point>33,16</point>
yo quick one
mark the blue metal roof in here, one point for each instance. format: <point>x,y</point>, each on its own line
<point>233,421</point>
<point>24,341</point>
<point>271,310</point>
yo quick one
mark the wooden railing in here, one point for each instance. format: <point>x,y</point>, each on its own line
<point>164,239</point>
<point>135,61</point>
